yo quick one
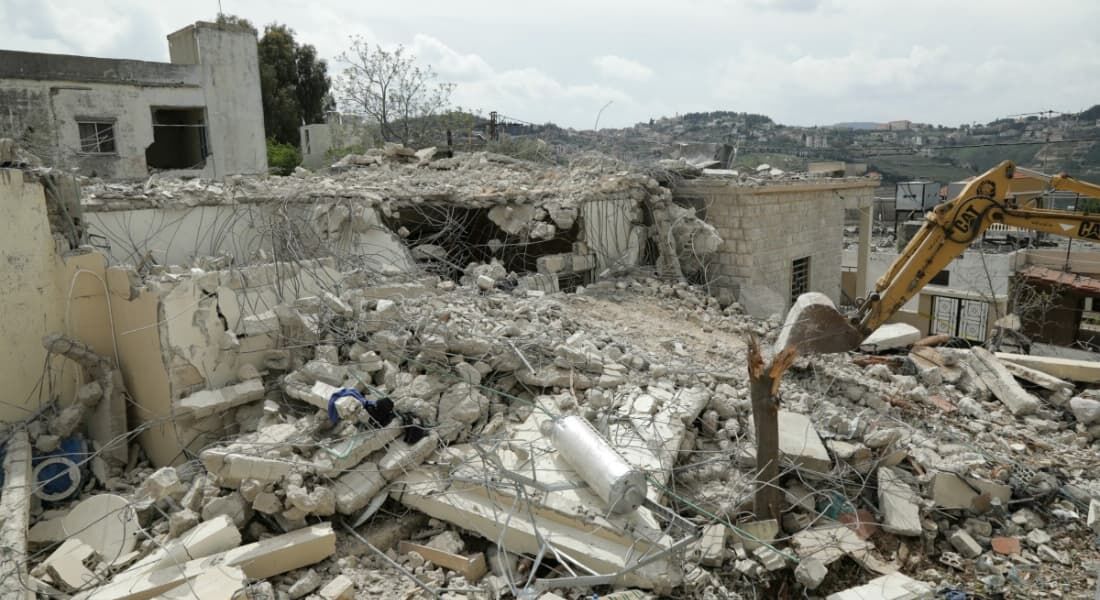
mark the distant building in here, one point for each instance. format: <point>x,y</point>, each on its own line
<point>902,125</point>
<point>124,119</point>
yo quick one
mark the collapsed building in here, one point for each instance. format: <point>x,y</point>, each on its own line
<point>473,376</point>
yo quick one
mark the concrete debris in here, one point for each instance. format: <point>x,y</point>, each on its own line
<point>810,573</point>
<point>894,586</point>
<point>399,372</point>
<point>473,568</point>
<point>1002,384</point>
<point>965,544</point>
<point>890,337</point>
<point>901,514</point>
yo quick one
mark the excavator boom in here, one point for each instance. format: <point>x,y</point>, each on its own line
<point>948,230</point>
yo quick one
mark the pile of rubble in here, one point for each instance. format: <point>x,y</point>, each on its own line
<point>398,446</point>
<point>552,423</point>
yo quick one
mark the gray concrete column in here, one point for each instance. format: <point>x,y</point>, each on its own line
<point>866,209</point>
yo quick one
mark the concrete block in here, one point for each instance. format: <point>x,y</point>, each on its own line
<point>889,337</point>
<point>755,533</point>
<point>712,546</point>
<point>340,588</point>
<point>901,514</point>
<point>894,586</point>
<point>799,443</point>
<point>1094,515</point>
<point>232,467</point>
<point>209,402</point>
<point>810,573</point>
<point>355,488</point>
<point>266,558</point>
<point>771,559</point>
<point>965,544</point>
<point>553,264</point>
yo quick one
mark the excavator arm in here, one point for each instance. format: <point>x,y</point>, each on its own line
<point>952,227</point>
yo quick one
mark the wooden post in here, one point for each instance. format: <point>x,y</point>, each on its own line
<point>764,391</point>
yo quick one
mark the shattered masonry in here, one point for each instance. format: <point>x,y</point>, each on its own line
<point>341,384</point>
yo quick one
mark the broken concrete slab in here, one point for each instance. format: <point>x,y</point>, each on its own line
<point>218,583</point>
<point>894,586</point>
<point>259,560</point>
<point>231,467</point>
<point>106,522</point>
<point>208,402</point>
<point>1069,369</point>
<point>898,502</point>
<point>1001,383</point>
<point>800,443</point>
<point>355,489</point>
<point>603,543</point>
<point>67,567</point>
<point>1037,377</point>
<point>890,336</point>
<point>951,491</point>
<point>219,534</point>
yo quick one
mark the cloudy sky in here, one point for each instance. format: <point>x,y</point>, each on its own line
<point>802,62</point>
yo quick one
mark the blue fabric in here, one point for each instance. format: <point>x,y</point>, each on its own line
<point>341,393</point>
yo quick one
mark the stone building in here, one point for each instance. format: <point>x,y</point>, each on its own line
<point>781,238</point>
<point>120,119</point>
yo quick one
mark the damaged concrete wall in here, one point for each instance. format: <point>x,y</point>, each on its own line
<point>229,72</point>
<point>251,233</point>
<point>33,301</point>
<point>765,228</point>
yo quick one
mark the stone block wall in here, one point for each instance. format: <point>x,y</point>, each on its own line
<point>765,228</point>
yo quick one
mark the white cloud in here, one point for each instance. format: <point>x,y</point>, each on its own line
<point>790,5</point>
<point>526,93</point>
<point>622,68</point>
<point>924,83</point>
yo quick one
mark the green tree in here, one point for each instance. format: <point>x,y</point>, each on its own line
<point>294,84</point>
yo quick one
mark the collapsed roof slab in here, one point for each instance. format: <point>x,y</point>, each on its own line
<point>522,495</point>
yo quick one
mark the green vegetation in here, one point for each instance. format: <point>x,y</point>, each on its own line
<point>911,167</point>
<point>294,83</point>
<point>282,158</point>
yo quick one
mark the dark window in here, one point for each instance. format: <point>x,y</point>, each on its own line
<point>179,139</point>
<point>941,278</point>
<point>800,277</point>
<point>97,137</point>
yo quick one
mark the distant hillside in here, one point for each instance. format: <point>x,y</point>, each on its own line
<point>905,151</point>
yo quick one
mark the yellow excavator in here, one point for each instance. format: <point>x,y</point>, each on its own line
<point>996,196</point>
